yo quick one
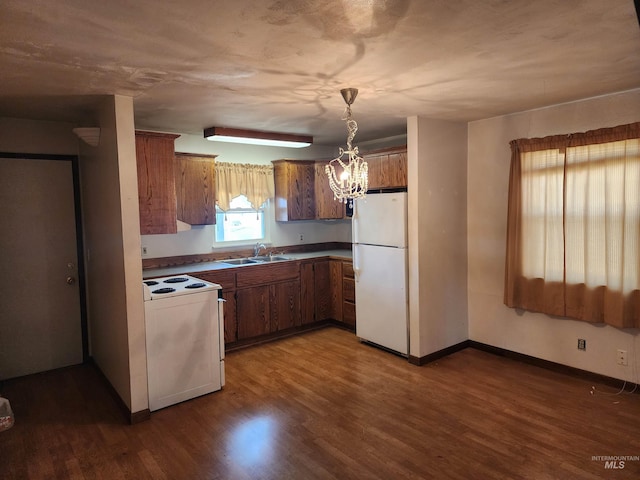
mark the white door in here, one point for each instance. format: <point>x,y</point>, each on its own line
<point>40,320</point>
<point>380,219</point>
<point>381,295</point>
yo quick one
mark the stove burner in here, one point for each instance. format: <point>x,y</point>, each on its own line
<point>196,285</point>
<point>176,280</point>
<point>164,290</point>
<point>151,283</point>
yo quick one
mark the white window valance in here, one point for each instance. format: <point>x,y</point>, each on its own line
<point>253,181</point>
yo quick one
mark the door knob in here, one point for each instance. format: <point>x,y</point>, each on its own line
<point>71,280</point>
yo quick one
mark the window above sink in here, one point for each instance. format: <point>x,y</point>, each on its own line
<point>240,224</point>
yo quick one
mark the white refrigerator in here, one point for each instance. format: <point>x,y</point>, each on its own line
<point>380,267</point>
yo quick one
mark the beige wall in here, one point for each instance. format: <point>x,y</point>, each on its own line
<point>437,153</point>
<point>112,244</point>
<point>488,171</point>
<point>19,135</point>
<point>131,251</point>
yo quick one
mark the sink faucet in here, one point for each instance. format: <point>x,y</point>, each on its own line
<point>256,249</point>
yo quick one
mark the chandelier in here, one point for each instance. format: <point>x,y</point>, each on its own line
<point>348,177</point>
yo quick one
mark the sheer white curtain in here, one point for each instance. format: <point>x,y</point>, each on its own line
<point>603,215</point>
<point>253,181</point>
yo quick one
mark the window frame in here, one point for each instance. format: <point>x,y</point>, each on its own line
<point>266,239</point>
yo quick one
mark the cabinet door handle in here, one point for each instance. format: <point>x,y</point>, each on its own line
<point>71,280</point>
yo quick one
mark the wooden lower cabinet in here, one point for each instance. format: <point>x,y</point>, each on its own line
<point>349,314</point>
<point>253,311</point>
<point>230,317</point>
<point>227,280</point>
<point>285,305</point>
<point>335,289</point>
<point>266,299</point>
<point>348,295</point>
<point>322,284</point>
<point>266,309</point>
<point>321,290</point>
<point>307,293</point>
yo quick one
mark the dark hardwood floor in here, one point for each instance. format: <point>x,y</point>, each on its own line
<point>322,406</point>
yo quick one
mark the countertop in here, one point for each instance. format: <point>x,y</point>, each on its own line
<point>219,265</point>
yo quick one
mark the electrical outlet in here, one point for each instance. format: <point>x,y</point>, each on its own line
<point>622,357</point>
<point>144,250</point>
<point>301,237</point>
<point>582,344</point>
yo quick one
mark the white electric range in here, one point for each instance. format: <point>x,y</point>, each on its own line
<point>184,323</point>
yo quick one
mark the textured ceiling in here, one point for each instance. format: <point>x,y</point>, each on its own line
<point>279,64</point>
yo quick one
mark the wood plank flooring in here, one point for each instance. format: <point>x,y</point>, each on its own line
<point>323,406</point>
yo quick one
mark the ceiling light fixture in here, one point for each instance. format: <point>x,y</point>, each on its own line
<point>351,179</point>
<point>256,137</point>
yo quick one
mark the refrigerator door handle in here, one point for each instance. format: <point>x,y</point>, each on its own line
<point>354,223</point>
<point>356,263</point>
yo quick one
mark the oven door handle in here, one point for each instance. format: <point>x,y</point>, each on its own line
<point>221,324</point>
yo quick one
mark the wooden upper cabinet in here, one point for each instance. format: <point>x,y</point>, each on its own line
<point>195,188</point>
<point>327,207</point>
<point>156,182</point>
<point>294,190</point>
<point>387,168</point>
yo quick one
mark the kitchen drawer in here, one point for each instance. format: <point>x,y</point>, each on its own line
<point>348,290</point>
<point>225,278</point>
<point>347,269</point>
<point>248,276</point>
<point>349,313</point>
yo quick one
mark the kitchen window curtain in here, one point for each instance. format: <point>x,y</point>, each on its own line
<point>253,181</point>
<point>573,226</point>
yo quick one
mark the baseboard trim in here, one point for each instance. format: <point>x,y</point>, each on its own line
<point>521,357</point>
<point>549,365</point>
<point>131,417</point>
<point>141,416</point>
<point>419,361</point>
<point>342,325</point>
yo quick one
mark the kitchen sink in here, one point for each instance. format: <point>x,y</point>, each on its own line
<point>239,261</point>
<point>255,260</point>
<point>270,258</point>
